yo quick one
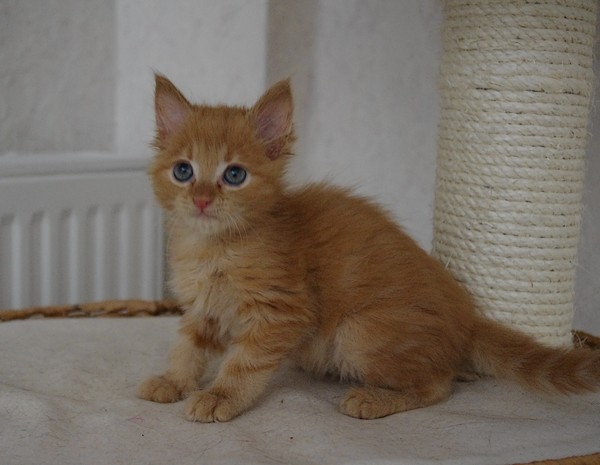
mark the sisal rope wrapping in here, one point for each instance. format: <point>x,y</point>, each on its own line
<point>516,84</point>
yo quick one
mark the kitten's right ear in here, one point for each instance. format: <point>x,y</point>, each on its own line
<point>171,109</point>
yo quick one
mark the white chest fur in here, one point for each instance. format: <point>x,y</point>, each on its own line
<point>201,282</point>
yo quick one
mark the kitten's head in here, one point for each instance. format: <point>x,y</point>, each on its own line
<point>220,168</point>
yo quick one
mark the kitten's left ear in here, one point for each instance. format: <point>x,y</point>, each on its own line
<point>272,116</point>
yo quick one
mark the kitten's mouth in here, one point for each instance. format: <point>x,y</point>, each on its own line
<point>205,215</point>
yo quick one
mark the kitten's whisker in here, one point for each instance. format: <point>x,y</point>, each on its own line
<point>239,225</point>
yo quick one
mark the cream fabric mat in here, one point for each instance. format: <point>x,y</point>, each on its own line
<point>67,396</point>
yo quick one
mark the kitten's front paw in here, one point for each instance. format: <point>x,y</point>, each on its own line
<point>160,389</point>
<point>208,407</point>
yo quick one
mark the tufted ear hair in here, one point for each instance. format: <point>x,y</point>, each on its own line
<point>171,109</point>
<point>272,116</point>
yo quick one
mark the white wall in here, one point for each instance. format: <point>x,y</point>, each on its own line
<point>587,291</point>
<point>365,73</point>
<point>77,76</point>
<point>57,75</point>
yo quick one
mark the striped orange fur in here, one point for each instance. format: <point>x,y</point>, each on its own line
<point>315,275</point>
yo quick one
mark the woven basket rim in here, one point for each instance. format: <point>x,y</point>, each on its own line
<point>105,308</point>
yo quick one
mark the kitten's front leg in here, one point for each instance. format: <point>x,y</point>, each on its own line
<point>186,366</point>
<point>245,371</point>
<point>238,384</point>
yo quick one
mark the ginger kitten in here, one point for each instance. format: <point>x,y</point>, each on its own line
<point>316,275</point>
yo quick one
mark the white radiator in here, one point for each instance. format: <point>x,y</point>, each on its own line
<point>77,228</point>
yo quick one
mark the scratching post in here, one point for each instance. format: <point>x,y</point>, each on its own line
<point>516,83</point>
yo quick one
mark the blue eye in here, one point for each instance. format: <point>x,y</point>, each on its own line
<point>235,175</point>
<point>183,171</point>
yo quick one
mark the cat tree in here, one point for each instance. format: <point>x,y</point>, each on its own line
<point>516,84</point>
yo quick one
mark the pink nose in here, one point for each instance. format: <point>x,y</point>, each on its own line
<point>202,203</point>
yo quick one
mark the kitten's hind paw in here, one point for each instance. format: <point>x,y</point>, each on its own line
<point>160,389</point>
<point>363,403</point>
<point>371,402</point>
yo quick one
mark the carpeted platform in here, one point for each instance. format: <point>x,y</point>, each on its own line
<point>67,396</point>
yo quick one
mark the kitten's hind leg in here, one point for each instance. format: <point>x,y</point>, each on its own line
<point>368,402</point>
<point>186,367</point>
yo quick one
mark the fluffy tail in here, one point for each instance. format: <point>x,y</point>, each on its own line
<point>506,353</point>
